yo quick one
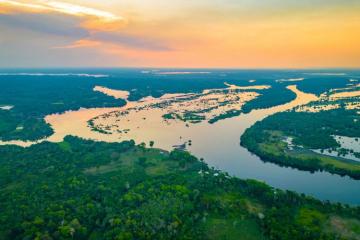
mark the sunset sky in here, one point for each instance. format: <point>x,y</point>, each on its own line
<point>180,33</point>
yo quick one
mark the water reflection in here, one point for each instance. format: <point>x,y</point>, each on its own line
<point>217,143</point>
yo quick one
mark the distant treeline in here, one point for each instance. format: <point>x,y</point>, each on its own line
<point>33,97</point>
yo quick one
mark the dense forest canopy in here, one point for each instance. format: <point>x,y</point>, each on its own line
<point>92,190</point>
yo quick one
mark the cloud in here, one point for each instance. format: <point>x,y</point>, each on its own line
<point>52,24</point>
<point>89,18</point>
<point>84,27</point>
<point>60,7</point>
<point>82,11</point>
<point>115,40</point>
<point>82,43</point>
<point>130,41</point>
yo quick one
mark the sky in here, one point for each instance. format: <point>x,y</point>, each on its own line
<point>180,33</point>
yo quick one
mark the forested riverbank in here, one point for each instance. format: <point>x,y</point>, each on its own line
<point>307,131</point>
<point>93,190</point>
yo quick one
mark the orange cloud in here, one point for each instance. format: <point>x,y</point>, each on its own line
<point>83,43</point>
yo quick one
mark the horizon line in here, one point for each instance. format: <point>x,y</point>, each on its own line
<point>212,68</point>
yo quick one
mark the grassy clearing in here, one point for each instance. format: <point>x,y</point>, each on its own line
<point>232,229</point>
<point>347,228</point>
<point>153,160</point>
<point>310,219</point>
<point>274,146</point>
<point>327,160</point>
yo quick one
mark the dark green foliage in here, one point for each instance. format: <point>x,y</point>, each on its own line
<point>228,114</point>
<point>19,126</point>
<point>169,116</point>
<point>193,117</point>
<point>320,84</point>
<point>35,97</point>
<point>310,130</point>
<point>314,130</point>
<point>91,190</point>
<point>276,95</point>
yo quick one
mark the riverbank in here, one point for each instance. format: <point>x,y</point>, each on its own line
<point>117,183</point>
<point>310,127</point>
<point>217,144</point>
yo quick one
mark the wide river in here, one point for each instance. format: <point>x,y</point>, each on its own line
<point>218,144</point>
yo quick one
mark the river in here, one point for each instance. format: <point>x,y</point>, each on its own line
<point>218,144</point>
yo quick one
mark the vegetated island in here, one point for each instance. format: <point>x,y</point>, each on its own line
<point>305,138</point>
<point>80,189</point>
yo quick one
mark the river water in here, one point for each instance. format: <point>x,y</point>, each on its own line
<point>218,144</point>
